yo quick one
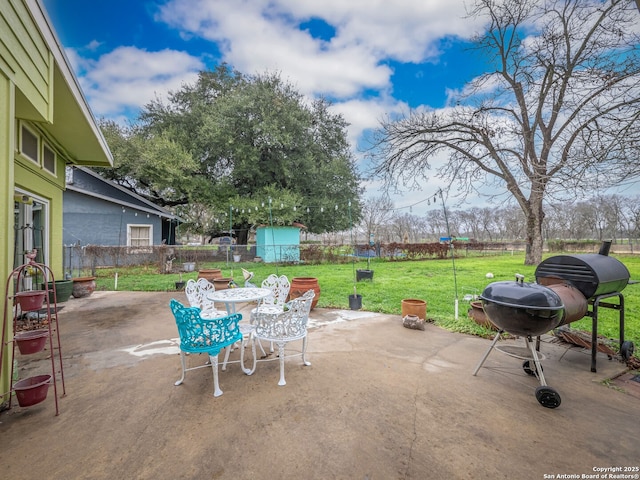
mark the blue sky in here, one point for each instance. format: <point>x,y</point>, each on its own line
<point>371,58</point>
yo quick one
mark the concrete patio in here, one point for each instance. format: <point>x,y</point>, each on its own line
<point>379,402</point>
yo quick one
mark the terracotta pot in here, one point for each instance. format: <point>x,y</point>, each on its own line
<point>210,274</point>
<point>414,306</point>
<point>301,285</point>
<point>476,313</point>
<point>83,286</point>
<point>221,283</point>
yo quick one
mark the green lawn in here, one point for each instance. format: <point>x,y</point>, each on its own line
<point>430,280</point>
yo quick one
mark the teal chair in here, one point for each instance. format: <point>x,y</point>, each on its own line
<point>204,335</point>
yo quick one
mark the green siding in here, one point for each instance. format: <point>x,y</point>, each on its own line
<point>25,53</point>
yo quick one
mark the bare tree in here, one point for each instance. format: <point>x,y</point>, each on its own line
<point>558,116</point>
<point>376,212</point>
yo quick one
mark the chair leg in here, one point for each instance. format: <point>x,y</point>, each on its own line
<point>226,357</point>
<point>281,355</point>
<point>253,341</point>
<point>214,366</point>
<point>304,351</point>
<point>183,363</point>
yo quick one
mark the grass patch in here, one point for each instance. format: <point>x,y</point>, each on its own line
<point>430,280</point>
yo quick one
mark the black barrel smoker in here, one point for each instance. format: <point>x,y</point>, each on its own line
<point>567,285</point>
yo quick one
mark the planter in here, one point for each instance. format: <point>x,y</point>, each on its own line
<point>476,313</point>
<point>32,390</point>
<point>83,286</point>
<point>414,306</point>
<point>301,285</point>
<point>180,285</point>
<point>210,274</point>
<point>30,300</point>
<point>237,258</point>
<point>355,302</point>
<point>189,266</point>
<point>64,289</point>
<point>32,341</point>
<point>364,275</point>
<point>221,283</point>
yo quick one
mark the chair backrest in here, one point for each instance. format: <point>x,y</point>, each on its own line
<point>206,287</point>
<point>279,287</point>
<point>291,324</point>
<point>200,335</point>
<point>196,292</point>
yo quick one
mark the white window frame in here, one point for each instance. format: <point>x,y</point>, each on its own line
<point>136,248</point>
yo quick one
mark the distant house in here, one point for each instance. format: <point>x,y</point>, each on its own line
<point>97,211</point>
<point>45,124</point>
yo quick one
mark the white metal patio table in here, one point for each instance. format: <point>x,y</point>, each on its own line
<point>230,297</point>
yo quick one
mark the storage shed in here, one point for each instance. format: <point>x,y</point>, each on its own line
<point>278,244</point>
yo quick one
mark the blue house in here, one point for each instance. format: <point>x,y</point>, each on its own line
<point>278,244</point>
<point>97,211</point>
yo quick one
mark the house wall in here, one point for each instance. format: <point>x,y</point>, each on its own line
<point>92,221</point>
<point>25,72</point>
<point>41,184</point>
<point>34,74</point>
<point>278,244</point>
<point>25,54</point>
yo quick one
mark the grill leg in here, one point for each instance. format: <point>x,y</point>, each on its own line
<point>536,361</point>
<point>493,344</point>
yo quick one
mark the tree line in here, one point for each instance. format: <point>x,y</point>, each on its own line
<point>607,217</point>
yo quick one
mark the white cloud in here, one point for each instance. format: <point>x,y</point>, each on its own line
<point>128,77</point>
<point>363,115</point>
<point>259,35</point>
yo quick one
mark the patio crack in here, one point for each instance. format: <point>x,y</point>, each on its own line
<point>415,430</point>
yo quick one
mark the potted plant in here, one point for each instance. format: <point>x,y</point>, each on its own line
<point>180,284</point>
<point>367,274</point>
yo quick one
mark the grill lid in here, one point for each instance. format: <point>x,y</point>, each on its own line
<point>522,295</point>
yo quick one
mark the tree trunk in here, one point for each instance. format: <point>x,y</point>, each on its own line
<point>535,241</point>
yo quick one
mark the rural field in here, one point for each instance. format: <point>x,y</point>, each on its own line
<point>430,280</point>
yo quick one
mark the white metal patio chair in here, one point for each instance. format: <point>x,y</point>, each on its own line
<point>196,292</point>
<point>281,328</point>
<point>274,303</point>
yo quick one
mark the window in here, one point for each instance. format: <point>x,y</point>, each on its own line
<point>29,144</point>
<point>48,159</point>
<point>139,236</point>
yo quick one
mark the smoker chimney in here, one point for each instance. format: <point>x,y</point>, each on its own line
<point>605,247</point>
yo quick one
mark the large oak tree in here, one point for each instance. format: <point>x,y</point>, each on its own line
<point>240,141</point>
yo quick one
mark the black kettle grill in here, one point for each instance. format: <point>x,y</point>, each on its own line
<point>566,286</point>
